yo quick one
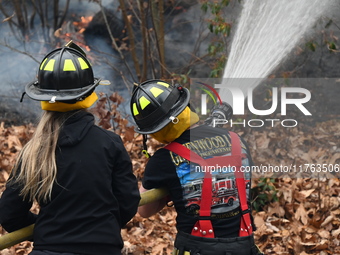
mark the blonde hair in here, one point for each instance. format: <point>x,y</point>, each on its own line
<point>36,167</point>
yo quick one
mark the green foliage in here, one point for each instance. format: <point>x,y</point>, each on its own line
<point>217,25</point>
<point>331,46</point>
<point>181,78</point>
<point>311,46</point>
<point>218,67</point>
<point>264,193</point>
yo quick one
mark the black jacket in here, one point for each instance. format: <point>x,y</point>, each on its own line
<point>95,195</point>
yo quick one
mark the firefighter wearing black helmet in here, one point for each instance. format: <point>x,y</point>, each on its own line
<point>209,219</point>
<point>65,76</point>
<point>80,174</point>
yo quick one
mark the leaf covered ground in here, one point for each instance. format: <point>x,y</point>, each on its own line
<point>298,213</point>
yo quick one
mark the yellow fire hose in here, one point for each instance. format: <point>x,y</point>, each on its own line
<point>26,233</point>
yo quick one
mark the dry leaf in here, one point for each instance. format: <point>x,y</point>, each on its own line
<point>306,193</point>
<point>327,220</point>
<point>301,214</point>
<point>336,232</point>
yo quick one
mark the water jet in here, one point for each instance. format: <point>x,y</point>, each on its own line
<point>266,33</point>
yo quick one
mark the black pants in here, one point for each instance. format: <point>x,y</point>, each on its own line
<point>44,252</point>
<point>193,245</point>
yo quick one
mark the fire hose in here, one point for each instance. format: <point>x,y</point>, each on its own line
<point>26,233</point>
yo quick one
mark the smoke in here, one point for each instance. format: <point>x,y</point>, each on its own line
<point>20,58</point>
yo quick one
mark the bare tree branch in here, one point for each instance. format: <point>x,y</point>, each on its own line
<point>55,14</point>
<point>131,36</point>
<point>113,41</point>
<point>160,38</point>
<point>19,51</point>
<point>144,39</point>
<point>9,18</point>
<point>62,19</point>
<point>158,24</point>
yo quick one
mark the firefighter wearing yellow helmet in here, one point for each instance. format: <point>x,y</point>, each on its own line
<point>80,174</point>
<point>213,217</point>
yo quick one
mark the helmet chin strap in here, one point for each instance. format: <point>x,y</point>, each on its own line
<point>145,147</point>
<point>22,97</point>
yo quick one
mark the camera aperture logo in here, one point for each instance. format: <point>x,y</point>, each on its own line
<point>298,98</point>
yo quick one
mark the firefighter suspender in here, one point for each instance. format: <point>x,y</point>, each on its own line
<point>246,226</point>
<point>204,227</point>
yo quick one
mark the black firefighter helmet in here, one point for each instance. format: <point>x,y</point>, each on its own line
<point>155,103</point>
<point>64,75</point>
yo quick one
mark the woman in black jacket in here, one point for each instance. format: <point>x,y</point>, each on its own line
<point>79,173</point>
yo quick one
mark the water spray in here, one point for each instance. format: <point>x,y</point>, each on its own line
<point>266,33</point>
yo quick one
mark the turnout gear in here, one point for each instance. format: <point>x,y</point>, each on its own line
<point>203,228</point>
<point>64,75</point>
<point>156,103</point>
